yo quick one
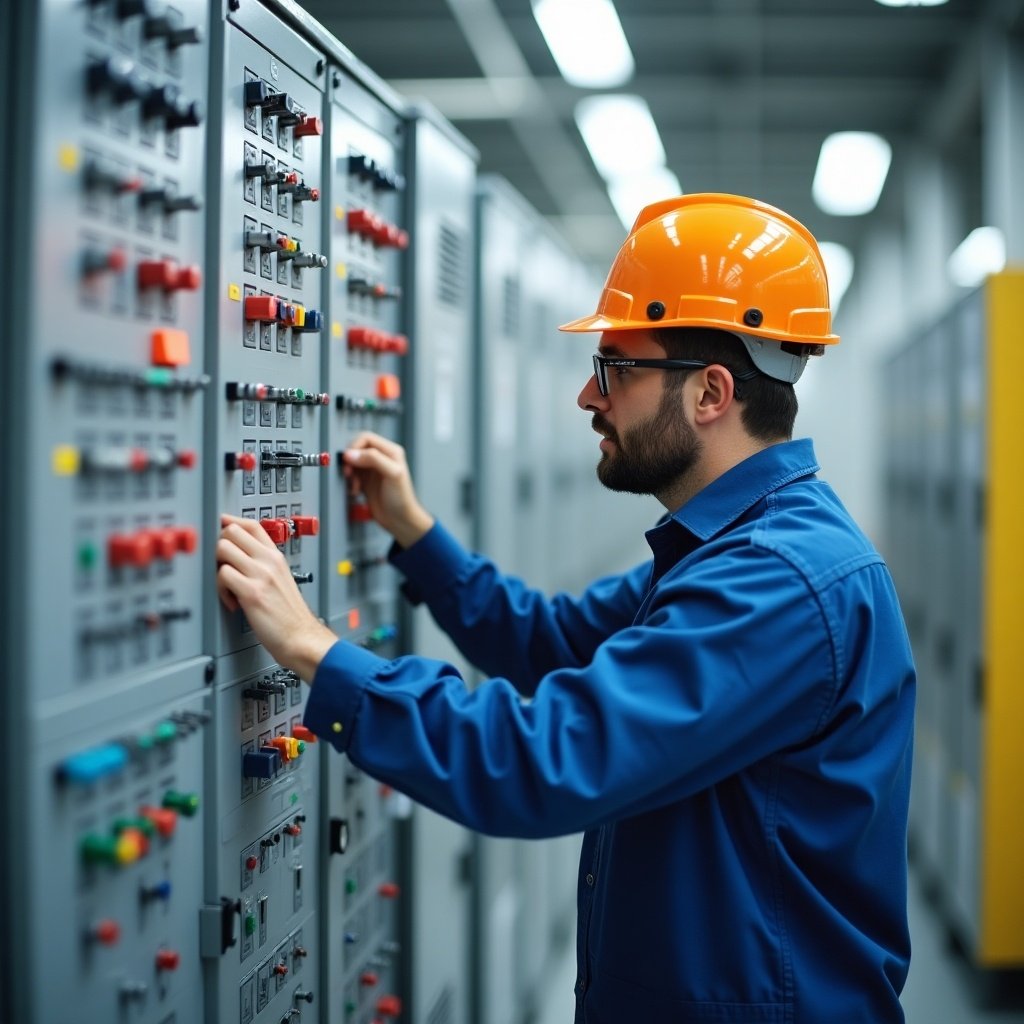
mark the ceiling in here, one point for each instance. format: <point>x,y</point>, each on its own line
<point>743,92</point>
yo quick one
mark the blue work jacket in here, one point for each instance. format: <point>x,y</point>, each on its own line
<point>730,723</point>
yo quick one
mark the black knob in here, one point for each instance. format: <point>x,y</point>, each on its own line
<point>130,8</point>
<point>186,114</point>
<point>187,36</point>
<point>338,835</point>
<point>256,93</point>
<point>160,101</point>
<point>115,75</point>
<point>306,996</point>
<point>174,204</point>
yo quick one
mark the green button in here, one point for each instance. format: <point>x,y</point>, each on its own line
<point>99,849</point>
<point>302,746</point>
<point>350,885</point>
<point>165,732</point>
<point>250,924</point>
<point>300,394</point>
<point>184,803</point>
<point>158,377</point>
<point>146,741</point>
<point>350,1006</point>
<point>88,555</point>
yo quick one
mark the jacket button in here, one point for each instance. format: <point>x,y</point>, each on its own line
<point>590,879</point>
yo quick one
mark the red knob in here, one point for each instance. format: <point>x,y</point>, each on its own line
<point>165,819</point>
<point>280,970</point>
<point>360,337</point>
<point>300,732</point>
<point>138,460</point>
<point>131,549</point>
<point>188,279</point>
<point>368,979</point>
<point>309,125</point>
<point>291,178</point>
<point>309,526</point>
<point>165,543</point>
<point>389,890</point>
<point>389,1006</point>
<point>157,274</point>
<point>277,529</point>
<point>167,960</point>
<point>403,240</point>
<point>252,863</point>
<point>242,460</point>
<point>114,260</point>
<point>187,458</point>
<point>359,220</point>
<point>188,539</point>
<point>260,307</point>
<point>293,830</point>
<point>106,932</point>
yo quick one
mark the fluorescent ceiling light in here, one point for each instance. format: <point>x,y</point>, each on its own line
<point>839,267</point>
<point>911,3</point>
<point>631,194</point>
<point>851,172</point>
<point>586,40</point>
<point>620,134</point>
<point>981,253</point>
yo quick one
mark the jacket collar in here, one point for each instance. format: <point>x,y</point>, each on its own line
<point>724,500</point>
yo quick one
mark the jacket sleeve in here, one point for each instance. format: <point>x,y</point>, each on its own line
<point>732,662</point>
<point>504,627</point>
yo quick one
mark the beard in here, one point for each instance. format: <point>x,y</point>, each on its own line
<point>651,455</point>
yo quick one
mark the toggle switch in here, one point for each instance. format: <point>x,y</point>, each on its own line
<point>91,765</point>
<point>368,979</point>
<point>302,577</point>
<point>256,93</point>
<point>287,181</point>
<point>160,891</point>
<point>106,933</point>
<point>162,26</point>
<point>264,763</point>
<point>260,169</point>
<point>167,960</point>
<point>388,890</point>
<point>185,804</point>
<point>338,835</point>
<point>281,106</point>
<point>168,276</point>
<point>115,76</point>
<point>265,241</point>
<point>360,166</point>
<point>388,387</point>
<point>240,460</point>
<point>280,969</point>
<point>313,323</point>
<point>308,124</point>
<point>277,529</point>
<point>170,202</point>
<point>99,176</point>
<point>309,259</point>
<point>100,261</point>
<point>130,8</point>
<point>304,193</point>
<point>263,308</point>
<point>359,512</point>
<point>237,391</point>
<point>282,457</point>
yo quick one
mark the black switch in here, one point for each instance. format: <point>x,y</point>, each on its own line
<point>160,101</point>
<point>256,93</point>
<point>186,114</point>
<point>115,75</point>
<point>338,835</point>
<point>131,8</point>
<point>281,106</point>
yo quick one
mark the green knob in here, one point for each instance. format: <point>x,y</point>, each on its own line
<point>144,825</point>
<point>165,732</point>
<point>99,849</point>
<point>250,924</point>
<point>350,885</point>
<point>88,555</point>
<point>184,803</point>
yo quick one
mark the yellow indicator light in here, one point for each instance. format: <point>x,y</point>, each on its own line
<point>345,568</point>
<point>339,212</point>
<point>336,330</point>
<point>66,460</point>
<point>341,270</point>
<point>67,157</point>
<point>234,293</point>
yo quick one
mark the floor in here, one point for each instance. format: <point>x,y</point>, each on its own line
<point>939,989</point>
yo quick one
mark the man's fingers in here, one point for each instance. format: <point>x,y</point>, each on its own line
<point>246,533</point>
<point>226,575</point>
<point>374,460</point>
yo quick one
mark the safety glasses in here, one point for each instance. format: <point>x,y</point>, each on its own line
<point>602,363</point>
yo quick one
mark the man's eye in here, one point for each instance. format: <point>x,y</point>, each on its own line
<point>620,371</point>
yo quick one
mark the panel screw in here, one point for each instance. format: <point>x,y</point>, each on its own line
<point>210,672</point>
<point>753,317</point>
<point>655,310</point>
<point>320,65</point>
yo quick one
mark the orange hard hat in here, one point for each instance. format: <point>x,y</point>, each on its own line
<point>725,262</point>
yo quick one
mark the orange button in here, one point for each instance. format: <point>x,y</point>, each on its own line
<point>300,732</point>
<point>388,386</point>
<point>188,539</point>
<point>164,819</point>
<point>353,618</point>
<point>170,347</point>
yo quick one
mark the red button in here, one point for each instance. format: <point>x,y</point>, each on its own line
<point>165,543</point>
<point>244,460</point>
<point>157,274</point>
<point>309,125</point>
<point>389,890</point>
<point>300,732</point>
<point>368,979</point>
<point>260,307</point>
<point>252,863</point>
<point>389,387</point>
<point>188,539</point>
<point>169,347</point>
<point>399,344</point>
<point>277,529</point>
<point>291,178</point>
<point>164,819</point>
<point>281,969</point>
<point>389,1006</point>
<point>293,830</point>
<point>131,549</point>
<point>167,960</point>
<point>361,337</point>
<point>138,460</point>
<point>187,459</point>
<point>106,932</point>
<point>309,526</point>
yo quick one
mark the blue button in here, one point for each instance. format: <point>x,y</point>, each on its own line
<point>92,765</point>
<point>261,764</point>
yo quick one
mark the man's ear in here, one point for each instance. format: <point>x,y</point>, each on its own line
<point>714,395</point>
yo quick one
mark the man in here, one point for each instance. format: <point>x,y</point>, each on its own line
<point>730,722</point>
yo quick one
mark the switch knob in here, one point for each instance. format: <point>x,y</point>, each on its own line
<point>160,891</point>
<point>277,529</point>
<point>240,460</point>
<point>389,1006</point>
<point>252,863</point>
<point>308,125</point>
<point>309,526</point>
<point>130,8</point>
<point>281,106</point>
<point>302,577</point>
<point>263,308</point>
<point>306,997</point>
<point>164,819</point>
<point>160,101</point>
<point>185,114</point>
<point>300,732</point>
<point>260,169</point>
<point>106,932</point>
<point>280,969</point>
<point>96,261</point>
<point>262,240</point>
<point>368,979</point>
<point>388,890</point>
<point>185,804</point>
<point>134,549</point>
<point>167,960</point>
<point>260,764</point>
<point>310,259</point>
<point>90,766</point>
<point>313,324</point>
<point>304,194</point>
<point>116,76</point>
<point>168,276</point>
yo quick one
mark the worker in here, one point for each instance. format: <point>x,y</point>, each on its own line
<point>730,723</point>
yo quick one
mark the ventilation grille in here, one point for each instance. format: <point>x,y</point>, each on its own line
<point>451,266</point>
<point>441,1011</point>
<point>510,307</point>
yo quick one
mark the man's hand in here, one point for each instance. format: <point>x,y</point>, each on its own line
<point>253,575</point>
<point>376,467</point>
